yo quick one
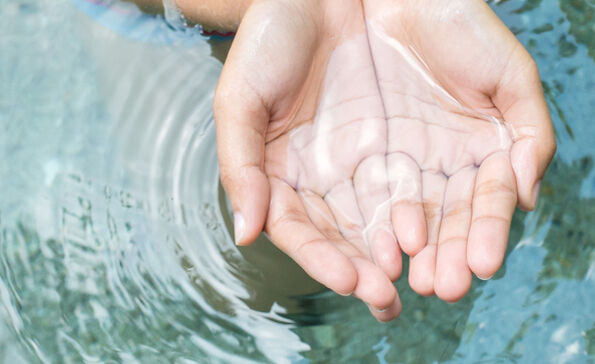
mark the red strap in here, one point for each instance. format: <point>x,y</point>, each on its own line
<point>209,33</point>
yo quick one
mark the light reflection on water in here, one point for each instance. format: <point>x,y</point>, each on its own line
<point>115,242</point>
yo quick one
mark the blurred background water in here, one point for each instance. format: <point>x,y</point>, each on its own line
<point>115,240</point>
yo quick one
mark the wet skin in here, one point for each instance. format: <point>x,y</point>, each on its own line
<point>353,131</point>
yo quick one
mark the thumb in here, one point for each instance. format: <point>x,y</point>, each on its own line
<point>524,107</point>
<point>240,149</point>
<point>266,63</point>
<point>241,121</point>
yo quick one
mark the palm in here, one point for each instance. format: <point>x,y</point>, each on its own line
<point>325,122</point>
<point>448,153</point>
<point>345,170</point>
<point>407,116</point>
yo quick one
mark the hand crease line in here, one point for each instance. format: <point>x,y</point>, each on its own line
<point>427,123</point>
<point>333,130</point>
<point>429,103</point>
<point>452,240</point>
<point>343,102</point>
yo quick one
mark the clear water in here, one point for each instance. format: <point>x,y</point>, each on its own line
<point>114,232</point>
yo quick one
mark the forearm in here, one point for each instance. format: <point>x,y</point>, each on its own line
<point>222,15</point>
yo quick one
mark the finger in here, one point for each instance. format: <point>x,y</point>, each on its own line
<point>320,215</point>
<point>343,204</point>
<point>291,230</point>
<point>240,149</point>
<point>375,289</point>
<point>423,265</point>
<point>241,120</point>
<point>389,313</point>
<point>249,87</point>
<point>520,99</point>
<point>407,212</point>
<point>453,277</point>
<point>373,286</point>
<point>322,218</point>
<point>371,188</point>
<point>434,186</point>
<point>494,200</point>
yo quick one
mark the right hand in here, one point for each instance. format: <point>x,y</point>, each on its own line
<point>470,135</point>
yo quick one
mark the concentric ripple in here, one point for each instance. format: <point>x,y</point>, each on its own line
<point>121,251</point>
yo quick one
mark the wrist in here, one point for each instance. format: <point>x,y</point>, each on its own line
<point>214,15</point>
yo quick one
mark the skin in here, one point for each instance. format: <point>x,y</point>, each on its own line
<point>285,97</point>
<point>222,15</point>
<point>470,174</point>
<point>326,110</point>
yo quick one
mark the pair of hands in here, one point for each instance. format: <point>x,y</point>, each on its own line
<point>351,130</point>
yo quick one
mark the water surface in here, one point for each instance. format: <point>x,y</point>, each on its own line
<point>115,241</point>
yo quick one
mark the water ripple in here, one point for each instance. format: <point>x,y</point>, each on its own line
<point>115,240</point>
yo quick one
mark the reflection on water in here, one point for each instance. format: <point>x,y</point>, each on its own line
<point>115,236</point>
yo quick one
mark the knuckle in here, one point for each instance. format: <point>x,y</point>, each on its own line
<point>457,208</point>
<point>228,180</point>
<point>491,219</point>
<point>299,248</point>
<point>286,216</point>
<point>453,239</point>
<point>494,187</point>
<point>235,177</point>
<point>432,209</point>
<point>331,233</point>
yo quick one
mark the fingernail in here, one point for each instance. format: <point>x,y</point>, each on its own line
<point>486,278</point>
<point>239,226</point>
<point>536,192</point>
<point>380,310</point>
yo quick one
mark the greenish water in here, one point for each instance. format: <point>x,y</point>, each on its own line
<point>115,243</point>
